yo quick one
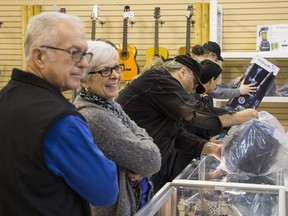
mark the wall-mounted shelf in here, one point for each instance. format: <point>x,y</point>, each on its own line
<point>240,55</point>
<point>267,99</point>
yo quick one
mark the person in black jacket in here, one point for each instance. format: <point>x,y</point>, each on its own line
<point>50,164</point>
<point>209,75</point>
<point>160,101</point>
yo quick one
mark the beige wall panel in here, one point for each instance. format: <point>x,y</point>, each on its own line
<point>240,19</point>
<point>239,30</point>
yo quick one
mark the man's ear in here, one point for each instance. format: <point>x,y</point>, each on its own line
<point>37,56</point>
<point>182,72</point>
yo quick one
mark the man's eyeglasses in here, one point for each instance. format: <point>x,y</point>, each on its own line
<point>107,71</point>
<point>76,55</point>
<point>195,80</point>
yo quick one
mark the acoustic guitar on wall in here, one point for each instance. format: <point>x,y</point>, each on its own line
<point>127,52</point>
<point>187,49</point>
<point>153,54</point>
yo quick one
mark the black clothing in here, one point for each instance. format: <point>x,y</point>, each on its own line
<point>157,102</point>
<point>182,159</point>
<point>27,186</point>
<point>201,132</point>
<point>251,150</point>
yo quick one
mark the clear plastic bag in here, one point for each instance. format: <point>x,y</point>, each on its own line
<point>255,147</point>
<point>264,204</point>
<point>247,202</point>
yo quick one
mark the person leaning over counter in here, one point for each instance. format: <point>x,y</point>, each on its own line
<point>210,72</point>
<point>160,100</point>
<point>121,140</point>
<point>49,162</point>
<point>212,51</point>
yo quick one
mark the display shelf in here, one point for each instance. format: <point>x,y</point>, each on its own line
<point>267,99</point>
<point>216,35</point>
<point>244,55</point>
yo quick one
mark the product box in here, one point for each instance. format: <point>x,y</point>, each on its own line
<point>272,37</point>
<point>261,73</point>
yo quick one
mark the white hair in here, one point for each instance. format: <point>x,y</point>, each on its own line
<point>43,29</point>
<point>103,52</point>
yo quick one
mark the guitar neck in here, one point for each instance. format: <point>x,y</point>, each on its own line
<point>156,38</point>
<point>188,29</point>
<point>93,32</point>
<point>125,27</point>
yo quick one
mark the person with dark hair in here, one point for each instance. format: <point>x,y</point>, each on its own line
<point>50,164</point>
<point>212,51</point>
<point>160,101</point>
<point>209,50</point>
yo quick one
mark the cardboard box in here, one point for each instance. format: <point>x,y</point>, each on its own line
<point>272,37</point>
<point>261,73</point>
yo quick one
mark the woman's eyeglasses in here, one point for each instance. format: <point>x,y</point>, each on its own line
<point>107,71</point>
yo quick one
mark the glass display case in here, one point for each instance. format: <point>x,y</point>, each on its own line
<point>203,190</point>
<point>206,169</point>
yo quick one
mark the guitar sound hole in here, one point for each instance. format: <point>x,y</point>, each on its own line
<point>125,55</point>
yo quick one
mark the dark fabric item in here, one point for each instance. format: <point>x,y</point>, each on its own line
<point>142,196</point>
<point>251,150</point>
<point>157,102</point>
<point>195,133</point>
<point>186,155</point>
<point>22,163</point>
<point>201,132</point>
<point>215,48</point>
<point>194,66</point>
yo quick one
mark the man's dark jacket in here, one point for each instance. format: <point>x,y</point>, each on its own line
<point>27,187</point>
<point>157,102</point>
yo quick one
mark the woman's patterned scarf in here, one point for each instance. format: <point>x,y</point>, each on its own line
<point>112,107</point>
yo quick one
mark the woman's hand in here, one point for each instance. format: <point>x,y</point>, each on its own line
<point>133,176</point>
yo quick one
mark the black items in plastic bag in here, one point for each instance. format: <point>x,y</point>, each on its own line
<point>251,150</point>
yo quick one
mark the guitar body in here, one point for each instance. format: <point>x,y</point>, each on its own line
<point>127,52</point>
<point>152,58</point>
<point>182,50</point>
<point>127,60</point>
<point>157,54</point>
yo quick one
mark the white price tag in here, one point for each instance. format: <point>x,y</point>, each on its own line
<point>128,14</point>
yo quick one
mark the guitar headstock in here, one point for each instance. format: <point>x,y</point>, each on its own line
<point>157,12</point>
<point>127,14</point>
<point>189,12</point>
<point>56,8</point>
<point>126,8</point>
<point>95,12</point>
